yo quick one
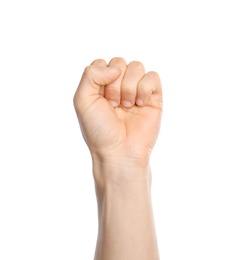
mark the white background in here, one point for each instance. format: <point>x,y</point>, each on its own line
<point>47,200</point>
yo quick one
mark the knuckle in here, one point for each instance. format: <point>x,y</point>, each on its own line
<point>88,70</point>
<point>75,101</point>
<point>154,78</point>
<point>99,62</point>
<point>153,75</point>
<point>117,60</point>
<point>136,65</point>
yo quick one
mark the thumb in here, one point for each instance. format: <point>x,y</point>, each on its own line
<point>94,77</point>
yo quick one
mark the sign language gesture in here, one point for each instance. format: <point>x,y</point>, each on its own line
<point>119,108</point>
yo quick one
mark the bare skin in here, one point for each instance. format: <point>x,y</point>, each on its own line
<point>119,108</point>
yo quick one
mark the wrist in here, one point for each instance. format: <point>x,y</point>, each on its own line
<point>122,171</point>
<point>123,157</point>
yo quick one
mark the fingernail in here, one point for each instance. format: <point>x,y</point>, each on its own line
<point>112,69</point>
<point>126,103</point>
<point>139,102</point>
<point>113,103</point>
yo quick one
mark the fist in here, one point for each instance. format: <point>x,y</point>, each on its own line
<point>119,109</point>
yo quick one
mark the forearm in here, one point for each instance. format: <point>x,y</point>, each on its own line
<point>126,225</point>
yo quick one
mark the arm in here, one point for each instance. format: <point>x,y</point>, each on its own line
<point>120,132</point>
<point>126,227</point>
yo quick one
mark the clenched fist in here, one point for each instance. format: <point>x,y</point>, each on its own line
<point>119,109</point>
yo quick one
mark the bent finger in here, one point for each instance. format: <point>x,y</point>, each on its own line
<point>112,90</point>
<point>149,85</point>
<point>134,72</point>
<point>101,63</point>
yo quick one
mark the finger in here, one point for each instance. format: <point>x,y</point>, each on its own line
<point>135,71</point>
<point>112,90</point>
<point>94,77</point>
<point>149,86</point>
<point>101,63</point>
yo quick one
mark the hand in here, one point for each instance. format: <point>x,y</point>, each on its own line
<point>119,108</point>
